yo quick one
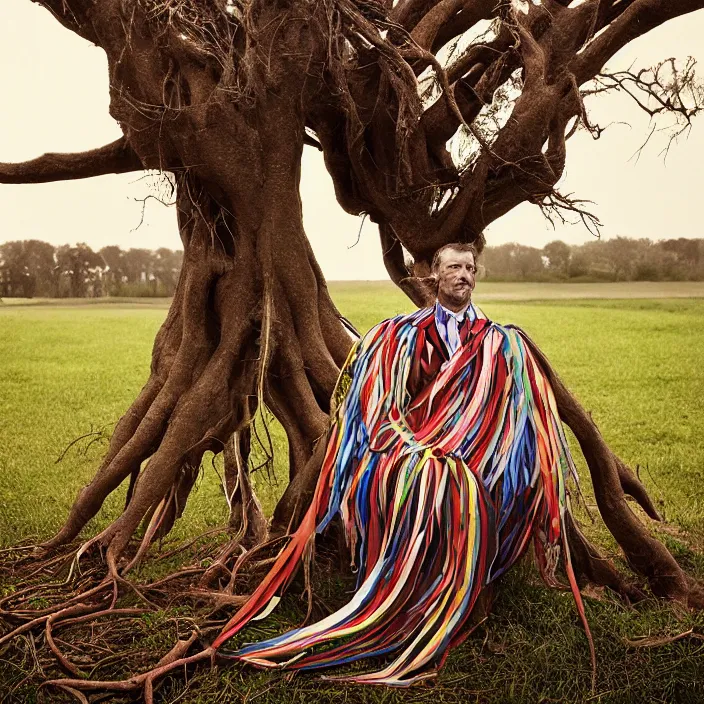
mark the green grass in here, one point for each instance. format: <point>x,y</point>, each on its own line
<point>635,363</point>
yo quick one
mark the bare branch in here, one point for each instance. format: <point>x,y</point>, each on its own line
<point>640,17</point>
<point>454,27</point>
<point>408,13</point>
<point>610,10</point>
<point>398,269</point>
<point>115,158</point>
<point>557,206</point>
<point>471,11</point>
<point>664,88</point>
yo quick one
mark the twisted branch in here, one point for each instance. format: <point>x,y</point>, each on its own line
<point>118,157</point>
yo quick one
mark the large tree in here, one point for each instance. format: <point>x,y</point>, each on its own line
<point>434,117</point>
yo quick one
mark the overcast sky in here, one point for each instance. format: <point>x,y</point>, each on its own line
<point>54,93</point>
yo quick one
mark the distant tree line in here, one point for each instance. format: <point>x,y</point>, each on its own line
<point>31,268</point>
<point>619,259</point>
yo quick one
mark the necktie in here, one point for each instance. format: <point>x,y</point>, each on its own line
<point>453,334</point>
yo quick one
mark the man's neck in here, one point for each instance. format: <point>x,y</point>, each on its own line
<point>450,309</point>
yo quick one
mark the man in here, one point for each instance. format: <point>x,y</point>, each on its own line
<point>445,458</point>
<point>453,276</point>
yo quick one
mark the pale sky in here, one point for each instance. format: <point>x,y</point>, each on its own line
<point>55,98</point>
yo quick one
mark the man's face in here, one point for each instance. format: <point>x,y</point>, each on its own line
<point>456,277</point>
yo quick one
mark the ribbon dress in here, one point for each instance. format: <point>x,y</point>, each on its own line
<point>442,478</point>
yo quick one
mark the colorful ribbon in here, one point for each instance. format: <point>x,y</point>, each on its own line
<point>439,494</point>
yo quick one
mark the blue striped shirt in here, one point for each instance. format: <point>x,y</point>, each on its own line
<point>448,323</point>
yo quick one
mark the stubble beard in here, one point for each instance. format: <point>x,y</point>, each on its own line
<point>459,299</point>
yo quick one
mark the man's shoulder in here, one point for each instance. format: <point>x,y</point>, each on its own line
<point>425,317</point>
<point>414,318</point>
<point>421,318</point>
<point>398,322</point>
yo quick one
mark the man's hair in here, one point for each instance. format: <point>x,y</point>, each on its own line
<point>430,283</point>
<point>455,247</point>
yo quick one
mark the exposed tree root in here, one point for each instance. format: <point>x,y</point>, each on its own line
<point>592,567</point>
<point>144,682</point>
<point>611,480</point>
<point>86,613</point>
<point>217,350</point>
<point>87,600</point>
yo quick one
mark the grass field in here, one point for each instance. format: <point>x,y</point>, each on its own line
<point>633,358</point>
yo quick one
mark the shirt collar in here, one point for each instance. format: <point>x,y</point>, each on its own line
<point>458,316</point>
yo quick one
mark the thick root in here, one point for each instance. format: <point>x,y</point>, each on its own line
<point>611,479</point>
<point>221,346</point>
<point>594,568</point>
